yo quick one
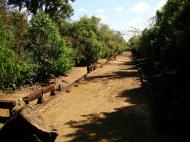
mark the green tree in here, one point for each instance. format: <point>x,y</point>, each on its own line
<point>14,71</point>
<point>92,40</point>
<point>113,40</point>
<point>21,27</point>
<point>167,39</point>
<point>7,58</point>
<point>49,49</point>
<point>83,37</point>
<point>58,10</point>
<point>167,43</point>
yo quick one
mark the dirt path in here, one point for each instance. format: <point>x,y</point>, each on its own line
<point>107,107</point>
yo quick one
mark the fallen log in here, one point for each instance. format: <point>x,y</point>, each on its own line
<point>50,88</point>
<point>39,94</point>
<point>36,95</point>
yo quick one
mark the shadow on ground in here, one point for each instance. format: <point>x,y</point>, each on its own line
<point>127,124</point>
<point>114,75</point>
<point>126,72</point>
<point>122,63</point>
<point>124,125</point>
<point>3,119</point>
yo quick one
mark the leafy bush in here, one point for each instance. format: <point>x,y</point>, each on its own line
<point>65,62</point>
<point>92,51</point>
<point>105,51</point>
<point>28,70</point>
<point>113,40</point>
<point>92,40</point>
<point>8,69</point>
<point>51,54</point>
<point>13,72</point>
<point>9,72</point>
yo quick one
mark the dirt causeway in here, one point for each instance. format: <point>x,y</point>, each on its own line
<point>109,106</point>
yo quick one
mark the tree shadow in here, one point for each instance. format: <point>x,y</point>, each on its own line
<point>130,68</point>
<point>131,123</point>
<point>126,62</point>
<point>135,96</point>
<point>126,124</point>
<point>115,75</point>
<point>3,119</point>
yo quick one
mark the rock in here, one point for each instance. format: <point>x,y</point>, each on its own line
<point>27,126</point>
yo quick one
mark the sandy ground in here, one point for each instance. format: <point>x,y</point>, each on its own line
<point>73,75</point>
<point>18,94</point>
<point>107,107</point>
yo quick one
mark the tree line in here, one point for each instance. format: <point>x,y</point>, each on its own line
<point>162,53</point>
<point>49,44</point>
<point>167,40</point>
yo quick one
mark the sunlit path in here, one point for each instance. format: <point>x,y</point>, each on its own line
<point>108,106</point>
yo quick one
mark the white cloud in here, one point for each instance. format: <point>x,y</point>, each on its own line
<point>99,11</point>
<point>160,4</point>
<point>82,10</point>
<point>140,7</point>
<point>135,22</point>
<point>103,19</point>
<point>100,14</point>
<point>119,8</point>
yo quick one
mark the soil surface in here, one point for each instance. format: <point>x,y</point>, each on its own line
<point>17,95</point>
<point>71,76</point>
<point>109,106</point>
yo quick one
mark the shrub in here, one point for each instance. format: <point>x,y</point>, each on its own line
<point>14,70</point>
<point>51,53</point>
<point>9,71</point>
<point>105,51</point>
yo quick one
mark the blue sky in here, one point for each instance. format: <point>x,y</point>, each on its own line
<point>120,15</point>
